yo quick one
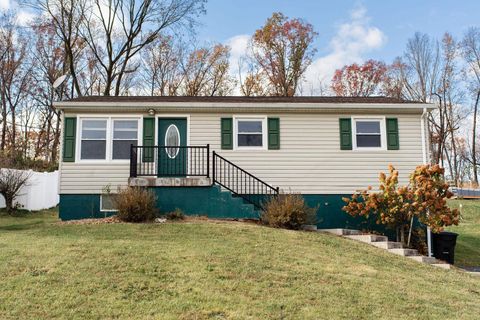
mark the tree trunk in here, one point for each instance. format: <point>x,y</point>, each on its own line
<point>4,130</point>
<point>108,82</point>
<point>8,203</point>
<point>400,230</point>
<point>474,140</point>
<point>4,122</point>
<point>402,235</point>
<point>14,130</point>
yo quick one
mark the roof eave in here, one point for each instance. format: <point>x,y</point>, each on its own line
<point>66,105</point>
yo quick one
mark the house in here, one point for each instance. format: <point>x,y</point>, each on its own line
<point>222,156</point>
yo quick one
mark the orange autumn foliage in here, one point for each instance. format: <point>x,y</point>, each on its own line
<point>394,206</point>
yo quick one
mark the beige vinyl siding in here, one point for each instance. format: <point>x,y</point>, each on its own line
<point>309,160</point>
<point>86,178</point>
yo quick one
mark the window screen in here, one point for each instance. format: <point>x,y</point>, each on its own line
<point>125,133</point>
<point>250,133</point>
<point>368,134</point>
<point>94,139</point>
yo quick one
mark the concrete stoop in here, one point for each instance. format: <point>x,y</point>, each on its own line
<point>383,243</point>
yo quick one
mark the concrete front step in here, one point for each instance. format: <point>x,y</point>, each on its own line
<point>383,243</point>
<point>368,238</point>
<point>425,259</point>
<point>404,252</point>
<point>341,232</point>
<point>387,244</point>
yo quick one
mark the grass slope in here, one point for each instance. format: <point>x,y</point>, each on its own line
<point>467,251</point>
<point>213,270</point>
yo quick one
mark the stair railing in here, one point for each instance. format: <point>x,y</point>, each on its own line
<point>240,182</point>
<point>169,161</point>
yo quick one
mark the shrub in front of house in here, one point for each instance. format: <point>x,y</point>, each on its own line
<point>288,211</point>
<point>135,204</point>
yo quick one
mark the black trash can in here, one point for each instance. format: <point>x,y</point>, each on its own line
<point>443,244</point>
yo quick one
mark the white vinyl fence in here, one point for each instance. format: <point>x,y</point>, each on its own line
<point>40,193</point>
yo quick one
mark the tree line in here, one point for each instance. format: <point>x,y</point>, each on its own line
<point>146,47</point>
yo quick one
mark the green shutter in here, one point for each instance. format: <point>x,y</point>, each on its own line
<point>273,133</point>
<point>345,134</point>
<point>148,139</point>
<point>392,134</point>
<point>69,133</point>
<point>227,133</point>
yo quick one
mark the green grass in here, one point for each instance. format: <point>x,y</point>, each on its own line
<point>209,270</point>
<point>467,251</point>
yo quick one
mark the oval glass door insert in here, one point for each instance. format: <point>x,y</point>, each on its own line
<point>172,140</point>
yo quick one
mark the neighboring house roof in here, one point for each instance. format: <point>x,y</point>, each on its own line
<point>127,103</point>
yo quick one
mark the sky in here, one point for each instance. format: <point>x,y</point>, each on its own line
<point>348,30</point>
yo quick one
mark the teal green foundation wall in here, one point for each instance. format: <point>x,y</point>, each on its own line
<point>214,203</point>
<point>206,201</point>
<point>80,206</point>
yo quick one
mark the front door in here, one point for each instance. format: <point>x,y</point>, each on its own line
<point>172,151</point>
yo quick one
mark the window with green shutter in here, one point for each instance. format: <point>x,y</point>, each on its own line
<point>227,133</point>
<point>273,133</point>
<point>345,134</point>
<point>69,134</point>
<point>148,139</point>
<point>393,142</point>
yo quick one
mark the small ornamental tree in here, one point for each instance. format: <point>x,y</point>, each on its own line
<point>12,180</point>
<point>396,206</point>
<point>430,198</point>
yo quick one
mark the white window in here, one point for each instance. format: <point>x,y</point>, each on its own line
<point>369,133</point>
<point>107,202</point>
<point>125,133</point>
<point>250,133</point>
<point>93,139</point>
<point>107,139</point>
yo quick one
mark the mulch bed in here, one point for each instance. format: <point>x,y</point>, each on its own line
<point>109,220</point>
<point>115,219</point>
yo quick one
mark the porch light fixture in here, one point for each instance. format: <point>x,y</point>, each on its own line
<point>151,112</point>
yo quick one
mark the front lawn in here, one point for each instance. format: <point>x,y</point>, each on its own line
<point>214,270</point>
<point>467,251</point>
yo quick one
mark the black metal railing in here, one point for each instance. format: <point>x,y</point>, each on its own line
<point>240,182</point>
<point>169,161</point>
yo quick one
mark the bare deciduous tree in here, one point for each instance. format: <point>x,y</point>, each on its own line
<point>420,67</point>
<point>116,31</point>
<point>162,67</point>
<point>470,46</point>
<point>15,76</point>
<point>205,72</point>
<point>67,16</point>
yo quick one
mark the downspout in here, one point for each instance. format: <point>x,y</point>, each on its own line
<point>60,152</point>
<point>425,160</point>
